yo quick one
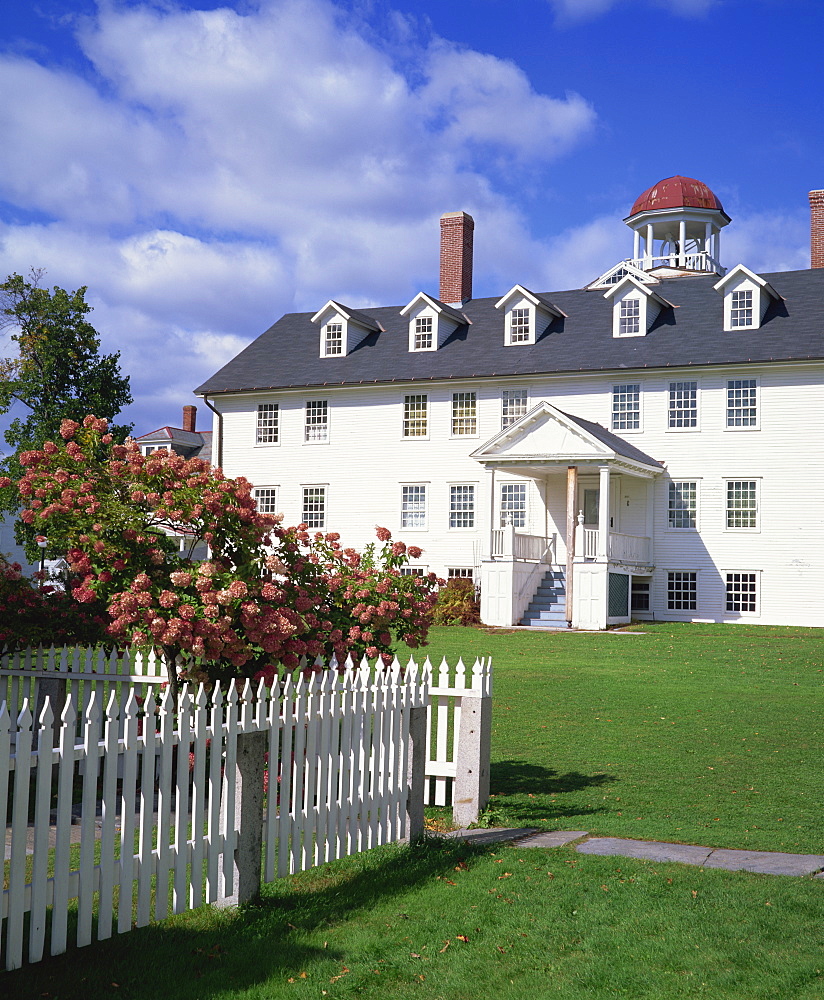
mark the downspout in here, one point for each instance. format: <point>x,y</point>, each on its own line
<point>218,451</point>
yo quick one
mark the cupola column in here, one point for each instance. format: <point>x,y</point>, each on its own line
<point>648,253</point>
<point>682,243</point>
<point>636,245</point>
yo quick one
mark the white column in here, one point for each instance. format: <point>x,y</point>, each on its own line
<point>648,250</point>
<point>682,242</point>
<point>636,244</point>
<point>603,513</point>
<point>708,238</point>
<point>717,254</point>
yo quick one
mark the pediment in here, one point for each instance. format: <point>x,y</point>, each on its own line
<point>546,432</point>
<point>546,437</point>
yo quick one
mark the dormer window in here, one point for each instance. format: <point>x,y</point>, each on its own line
<point>333,339</point>
<point>741,308</point>
<point>423,333</point>
<point>635,307</point>
<point>629,322</point>
<point>519,326</point>
<point>747,297</point>
<point>342,329</point>
<point>431,322</point>
<point>526,315</point>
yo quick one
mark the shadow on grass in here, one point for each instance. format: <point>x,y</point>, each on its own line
<point>212,953</point>
<point>511,777</point>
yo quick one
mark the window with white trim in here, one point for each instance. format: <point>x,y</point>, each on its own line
<point>513,406</point>
<point>313,514</point>
<point>626,407</point>
<point>317,421</point>
<point>742,504</point>
<point>639,595</point>
<point>741,308</point>
<point>629,317</point>
<point>683,405</point>
<point>413,506</point>
<point>423,333</point>
<point>266,498</point>
<point>462,506</point>
<point>268,417</point>
<point>412,570</point>
<point>415,413</point>
<point>333,339</point>
<point>513,504</point>
<point>464,414</point>
<point>682,505</point>
<point>519,329</point>
<point>742,592</point>
<point>460,573</point>
<point>682,590</point>
<point>742,402</point>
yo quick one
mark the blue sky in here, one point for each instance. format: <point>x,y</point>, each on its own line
<point>204,168</point>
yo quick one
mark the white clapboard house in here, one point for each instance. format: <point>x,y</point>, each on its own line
<point>647,446</point>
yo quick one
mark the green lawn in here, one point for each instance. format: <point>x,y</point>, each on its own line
<point>705,734</point>
<point>701,734</point>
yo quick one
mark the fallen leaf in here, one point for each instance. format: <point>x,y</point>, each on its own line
<point>506,875</point>
<point>444,948</point>
<point>694,893</point>
<point>500,949</point>
<point>302,975</point>
<point>463,937</point>
<point>414,954</point>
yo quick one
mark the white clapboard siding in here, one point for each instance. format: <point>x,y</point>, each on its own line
<point>157,799</point>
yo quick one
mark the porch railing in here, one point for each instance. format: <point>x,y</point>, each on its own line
<point>701,261</point>
<point>506,543</point>
<point>621,548</point>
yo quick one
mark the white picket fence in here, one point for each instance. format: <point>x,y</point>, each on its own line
<point>157,788</point>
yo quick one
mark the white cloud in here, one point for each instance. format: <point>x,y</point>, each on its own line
<point>767,242</point>
<point>214,169</point>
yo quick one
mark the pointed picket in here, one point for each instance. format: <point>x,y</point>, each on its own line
<point>145,850</point>
<point>228,831</point>
<point>111,759</point>
<point>128,794</point>
<point>214,836</point>
<point>42,808</point>
<point>5,770</point>
<point>199,797</point>
<point>92,723</point>
<point>165,805</point>
<point>180,894</point>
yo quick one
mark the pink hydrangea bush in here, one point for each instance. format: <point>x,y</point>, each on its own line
<point>267,596</point>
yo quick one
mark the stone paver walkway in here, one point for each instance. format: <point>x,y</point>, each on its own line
<point>761,862</point>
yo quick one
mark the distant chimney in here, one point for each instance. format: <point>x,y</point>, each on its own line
<point>816,228</point>
<point>457,229</point>
<point>189,418</point>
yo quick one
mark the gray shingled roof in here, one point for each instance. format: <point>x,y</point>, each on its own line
<point>617,444</point>
<point>692,334</point>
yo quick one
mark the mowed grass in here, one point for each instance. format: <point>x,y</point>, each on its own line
<point>701,734</point>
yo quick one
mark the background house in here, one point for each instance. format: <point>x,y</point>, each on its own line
<point>643,446</point>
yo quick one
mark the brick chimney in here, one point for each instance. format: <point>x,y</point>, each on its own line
<point>189,418</point>
<point>816,228</point>
<point>457,229</point>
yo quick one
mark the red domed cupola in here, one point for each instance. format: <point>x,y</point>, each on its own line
<point>676,192</point>
<point>679,222</point>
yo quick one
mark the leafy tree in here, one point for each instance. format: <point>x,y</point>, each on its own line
<point>57,372</point>
<point>267,596</point>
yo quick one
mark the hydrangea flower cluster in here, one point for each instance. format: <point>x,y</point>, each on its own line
<point>266,596</point>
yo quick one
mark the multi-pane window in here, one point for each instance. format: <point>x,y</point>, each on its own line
<point>682,590</point>
<point>414,416</point>
<point>683,404</point>
<point>461,506</point>
<point>626,407</point>
<point>513,504</point>
<point>423,333</point>
<point>314,506</point>
<point>460,573</point>
<point>519,326</point>
<point>742,592</point>
<point>742,503</point>
<point>629,317</point>
<point>682,505</point>
<point>266,498</point>
<point>464,413</point>
<point>267,423</point>
<point>317,420</point>
<point>413,506</point>
<point>639,595</point>
<point>412,571</point>
<point>513,406</point>
<point>742,406</point>
<point>333,339</point>
<point>741,308</point>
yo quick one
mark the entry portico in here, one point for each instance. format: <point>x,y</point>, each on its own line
<point>596,492</point>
